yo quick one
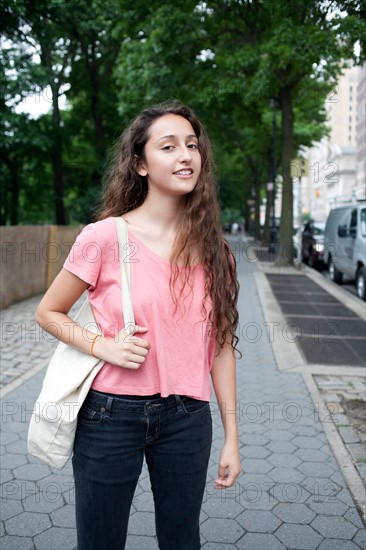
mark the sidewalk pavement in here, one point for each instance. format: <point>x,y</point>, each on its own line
<point>295,493</point>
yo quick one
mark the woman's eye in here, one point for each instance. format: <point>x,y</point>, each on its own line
<point>167,147</point>
<point>193,146</point>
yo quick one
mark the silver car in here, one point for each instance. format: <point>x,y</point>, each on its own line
<point>345,245</point>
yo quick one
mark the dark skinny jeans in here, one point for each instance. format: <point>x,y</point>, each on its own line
<point>114,434</point>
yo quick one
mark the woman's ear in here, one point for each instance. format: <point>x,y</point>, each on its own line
<point>139,167</point>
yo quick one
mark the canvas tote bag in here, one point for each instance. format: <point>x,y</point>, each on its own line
<point>69,377</point>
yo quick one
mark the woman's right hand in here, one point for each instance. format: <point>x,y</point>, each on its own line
<point>125,351</point>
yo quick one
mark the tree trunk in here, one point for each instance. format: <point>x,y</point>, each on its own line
<point>257,226</point>
<point>285,255</point>
<point>256,186</point>
<point>266,237</point>
<point>56,154</point>
<point>58,183</point>
<point>10,210</point>
<point>92,70</point>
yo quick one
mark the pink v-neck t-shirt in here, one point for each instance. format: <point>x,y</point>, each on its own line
<point>182,344</point>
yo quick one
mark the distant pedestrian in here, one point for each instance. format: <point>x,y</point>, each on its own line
<point>151,397</point>
<point>234,228</point>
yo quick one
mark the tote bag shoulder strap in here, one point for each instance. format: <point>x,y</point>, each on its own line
<point>124,262</point>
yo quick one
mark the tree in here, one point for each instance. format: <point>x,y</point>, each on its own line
<point>284,49</point>
<point>32,29</point>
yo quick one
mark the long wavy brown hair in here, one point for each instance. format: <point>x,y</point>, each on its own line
<point>198,226</point>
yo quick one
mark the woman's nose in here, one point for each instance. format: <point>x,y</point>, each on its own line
<point>185,155</point>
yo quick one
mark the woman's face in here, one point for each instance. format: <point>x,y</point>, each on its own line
<point>172,160</point>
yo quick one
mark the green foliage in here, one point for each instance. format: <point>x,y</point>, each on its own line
<point>225,59</point>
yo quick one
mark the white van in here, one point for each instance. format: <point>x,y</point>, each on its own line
<point>345,245</point>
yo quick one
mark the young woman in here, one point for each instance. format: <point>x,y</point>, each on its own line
<point>151,398</point>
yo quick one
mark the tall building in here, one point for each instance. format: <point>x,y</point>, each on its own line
<point>361,134</point>
<point>332,161</point>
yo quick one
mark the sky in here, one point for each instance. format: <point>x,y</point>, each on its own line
<point>39,104</point>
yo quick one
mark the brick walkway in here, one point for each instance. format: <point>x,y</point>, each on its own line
<point>291,496</point>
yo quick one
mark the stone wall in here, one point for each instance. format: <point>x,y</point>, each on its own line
<point>31,257</point>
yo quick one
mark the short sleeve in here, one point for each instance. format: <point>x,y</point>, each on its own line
<point>84,259</point>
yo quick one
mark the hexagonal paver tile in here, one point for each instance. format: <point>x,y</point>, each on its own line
<point>292,512</point>
<point>360,538</point>
<point>257,465</point>
<point>216,507</point>
<point>284,460</point>
<point>303,430</point>
<point>9,425</point>
<point>304,442</point>
<point>254,451</point>
<point>8,437</point>
<point>311,455</point>
<point>315,469</point>
<point>11,460</point>
<point>262,481</point>
<point>354,517</point>
<point>337,544</point>
<point>289,492</point>
<point>281,447</point>
<point>144,502</point>
<point>17,543</point>
<point>256,541</point>
<point>345,496</point>
<point>64,517</point>
<point>15,489</point>
<point>27,524</point>
<point>221,530</point>
<point>256,439</point>
<point>338,478</point>
<point>6,476</point>
<point>334,527</point>
<point>56,483</point>
<point>301,537</point>
<point>280,435</point>
<point>43,502</point>
<point>337,508</point>
<point>307,421</point>
<point>323,489</point>
<point>286,475</point>
<point>56,538</point>
<point>32,472</point>
<point>251,428</point>
<point>264,522</point>
<point>17,447</point>
<point>10,508</point>
<point>218,546</point>
<point>253,497</point>
<point>142,523</point>
<point>135,542</point>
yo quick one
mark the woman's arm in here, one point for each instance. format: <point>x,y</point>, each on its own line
<point>125,351</point>
<point>223,374</point>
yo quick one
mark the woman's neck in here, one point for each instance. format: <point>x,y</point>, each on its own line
<point>158,217</point>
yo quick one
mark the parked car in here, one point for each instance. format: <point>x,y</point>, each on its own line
<point>313,244</point>
<point>345,245</point>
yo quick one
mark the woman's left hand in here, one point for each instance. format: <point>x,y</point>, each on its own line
<point>229,466</point>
